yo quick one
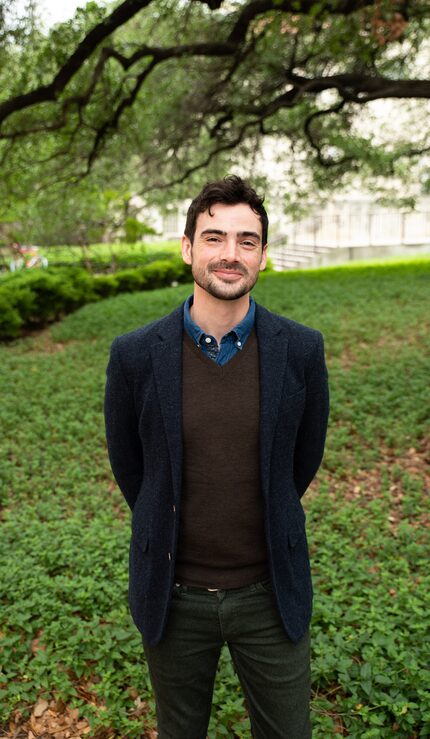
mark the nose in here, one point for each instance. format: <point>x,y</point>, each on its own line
<point>230,249</point>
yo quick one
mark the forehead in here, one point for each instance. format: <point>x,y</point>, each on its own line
<point>229,218</point>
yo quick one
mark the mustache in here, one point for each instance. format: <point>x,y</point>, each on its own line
<point>233,267</point>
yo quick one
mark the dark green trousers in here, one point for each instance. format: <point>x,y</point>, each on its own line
<point>274,672</point>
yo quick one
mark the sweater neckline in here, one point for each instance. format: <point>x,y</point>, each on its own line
<point>219,369</point>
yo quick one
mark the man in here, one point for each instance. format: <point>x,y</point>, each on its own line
<point>216,418</point>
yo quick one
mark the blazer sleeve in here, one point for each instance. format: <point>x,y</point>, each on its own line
<point>312,431</point>
<point>122,434</point>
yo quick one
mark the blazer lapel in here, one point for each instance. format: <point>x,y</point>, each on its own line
<point>167,365</point>
<point>273,360</point>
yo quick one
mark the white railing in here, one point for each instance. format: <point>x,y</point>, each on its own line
<point>379,228</point>
<point>333,238</point>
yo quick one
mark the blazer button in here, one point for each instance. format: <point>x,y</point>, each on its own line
<point>169,556</point>
<point>174,508</point>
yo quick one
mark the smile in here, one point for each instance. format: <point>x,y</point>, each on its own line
<point>228,274</point>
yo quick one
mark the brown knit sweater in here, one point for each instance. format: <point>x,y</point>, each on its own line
<point>221,536</point>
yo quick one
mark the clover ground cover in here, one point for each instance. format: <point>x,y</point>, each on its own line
<point>66,634</point>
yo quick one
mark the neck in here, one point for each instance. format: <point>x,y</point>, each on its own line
<point>217,317</point>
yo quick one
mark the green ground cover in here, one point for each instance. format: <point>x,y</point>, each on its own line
<point>66,632</point>
<point>102,255</point>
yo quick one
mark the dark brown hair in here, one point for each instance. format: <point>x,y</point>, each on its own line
<point>232,190</point>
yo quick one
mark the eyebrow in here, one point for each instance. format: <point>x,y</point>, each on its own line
<point>218,231</point>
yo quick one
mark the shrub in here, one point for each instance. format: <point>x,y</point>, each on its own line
<point>105,286</point>
<point>59,293</point>
<point>10,319</point>
<point>130,280</point>
<point>35,298</point>
<point>134,230</point>
<point>161,273</point>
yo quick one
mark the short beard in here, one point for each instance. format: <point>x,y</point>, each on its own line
<point>222,291</point>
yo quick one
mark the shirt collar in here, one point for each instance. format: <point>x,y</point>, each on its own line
<point>241,331</point>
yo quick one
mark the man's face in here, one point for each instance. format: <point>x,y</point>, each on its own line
<point>227,254</point>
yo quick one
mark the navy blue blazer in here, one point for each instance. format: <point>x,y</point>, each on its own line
<point>144,437</point>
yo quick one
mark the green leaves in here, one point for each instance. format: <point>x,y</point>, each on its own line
<point>35,298</point>
<point>148,109</point>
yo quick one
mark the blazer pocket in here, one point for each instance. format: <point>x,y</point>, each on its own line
<point>141,541</point>
<point>296,395</point>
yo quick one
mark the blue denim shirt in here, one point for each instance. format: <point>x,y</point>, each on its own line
<point>231,343</point>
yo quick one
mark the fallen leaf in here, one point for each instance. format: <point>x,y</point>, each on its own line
<point>40,708</point>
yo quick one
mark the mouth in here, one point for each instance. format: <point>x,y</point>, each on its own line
<point>228,274</point>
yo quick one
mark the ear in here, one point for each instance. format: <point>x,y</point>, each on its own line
<point>263,257</point>
<point>186,247</point>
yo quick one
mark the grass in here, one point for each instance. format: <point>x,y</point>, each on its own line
<point>66,634</point>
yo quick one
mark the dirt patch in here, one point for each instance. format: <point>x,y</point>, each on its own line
<point>351,356</point>
<point>44,344</point>
<point>55,719</point>
<point>49,719</point>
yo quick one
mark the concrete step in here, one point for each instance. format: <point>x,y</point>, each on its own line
<point>326,248</point>
<point>290,253</point>
<point>291,264</point>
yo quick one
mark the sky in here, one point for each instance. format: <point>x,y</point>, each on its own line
<point>55,11</point>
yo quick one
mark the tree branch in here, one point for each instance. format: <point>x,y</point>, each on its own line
<point>361,88</point>
<point>129,8</point>
<point>308,133</point>
<point>83,51</point>
<point>112,123</point>
<point>217,103</point>
<point>219,149</point>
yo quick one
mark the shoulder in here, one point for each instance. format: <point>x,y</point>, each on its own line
<point>150,332</point>
<point>295,331</point>
<point>134,347</point>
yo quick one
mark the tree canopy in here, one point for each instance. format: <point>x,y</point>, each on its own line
<point>163,91</point>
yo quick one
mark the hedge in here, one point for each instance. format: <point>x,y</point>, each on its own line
<point>32,299</point>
